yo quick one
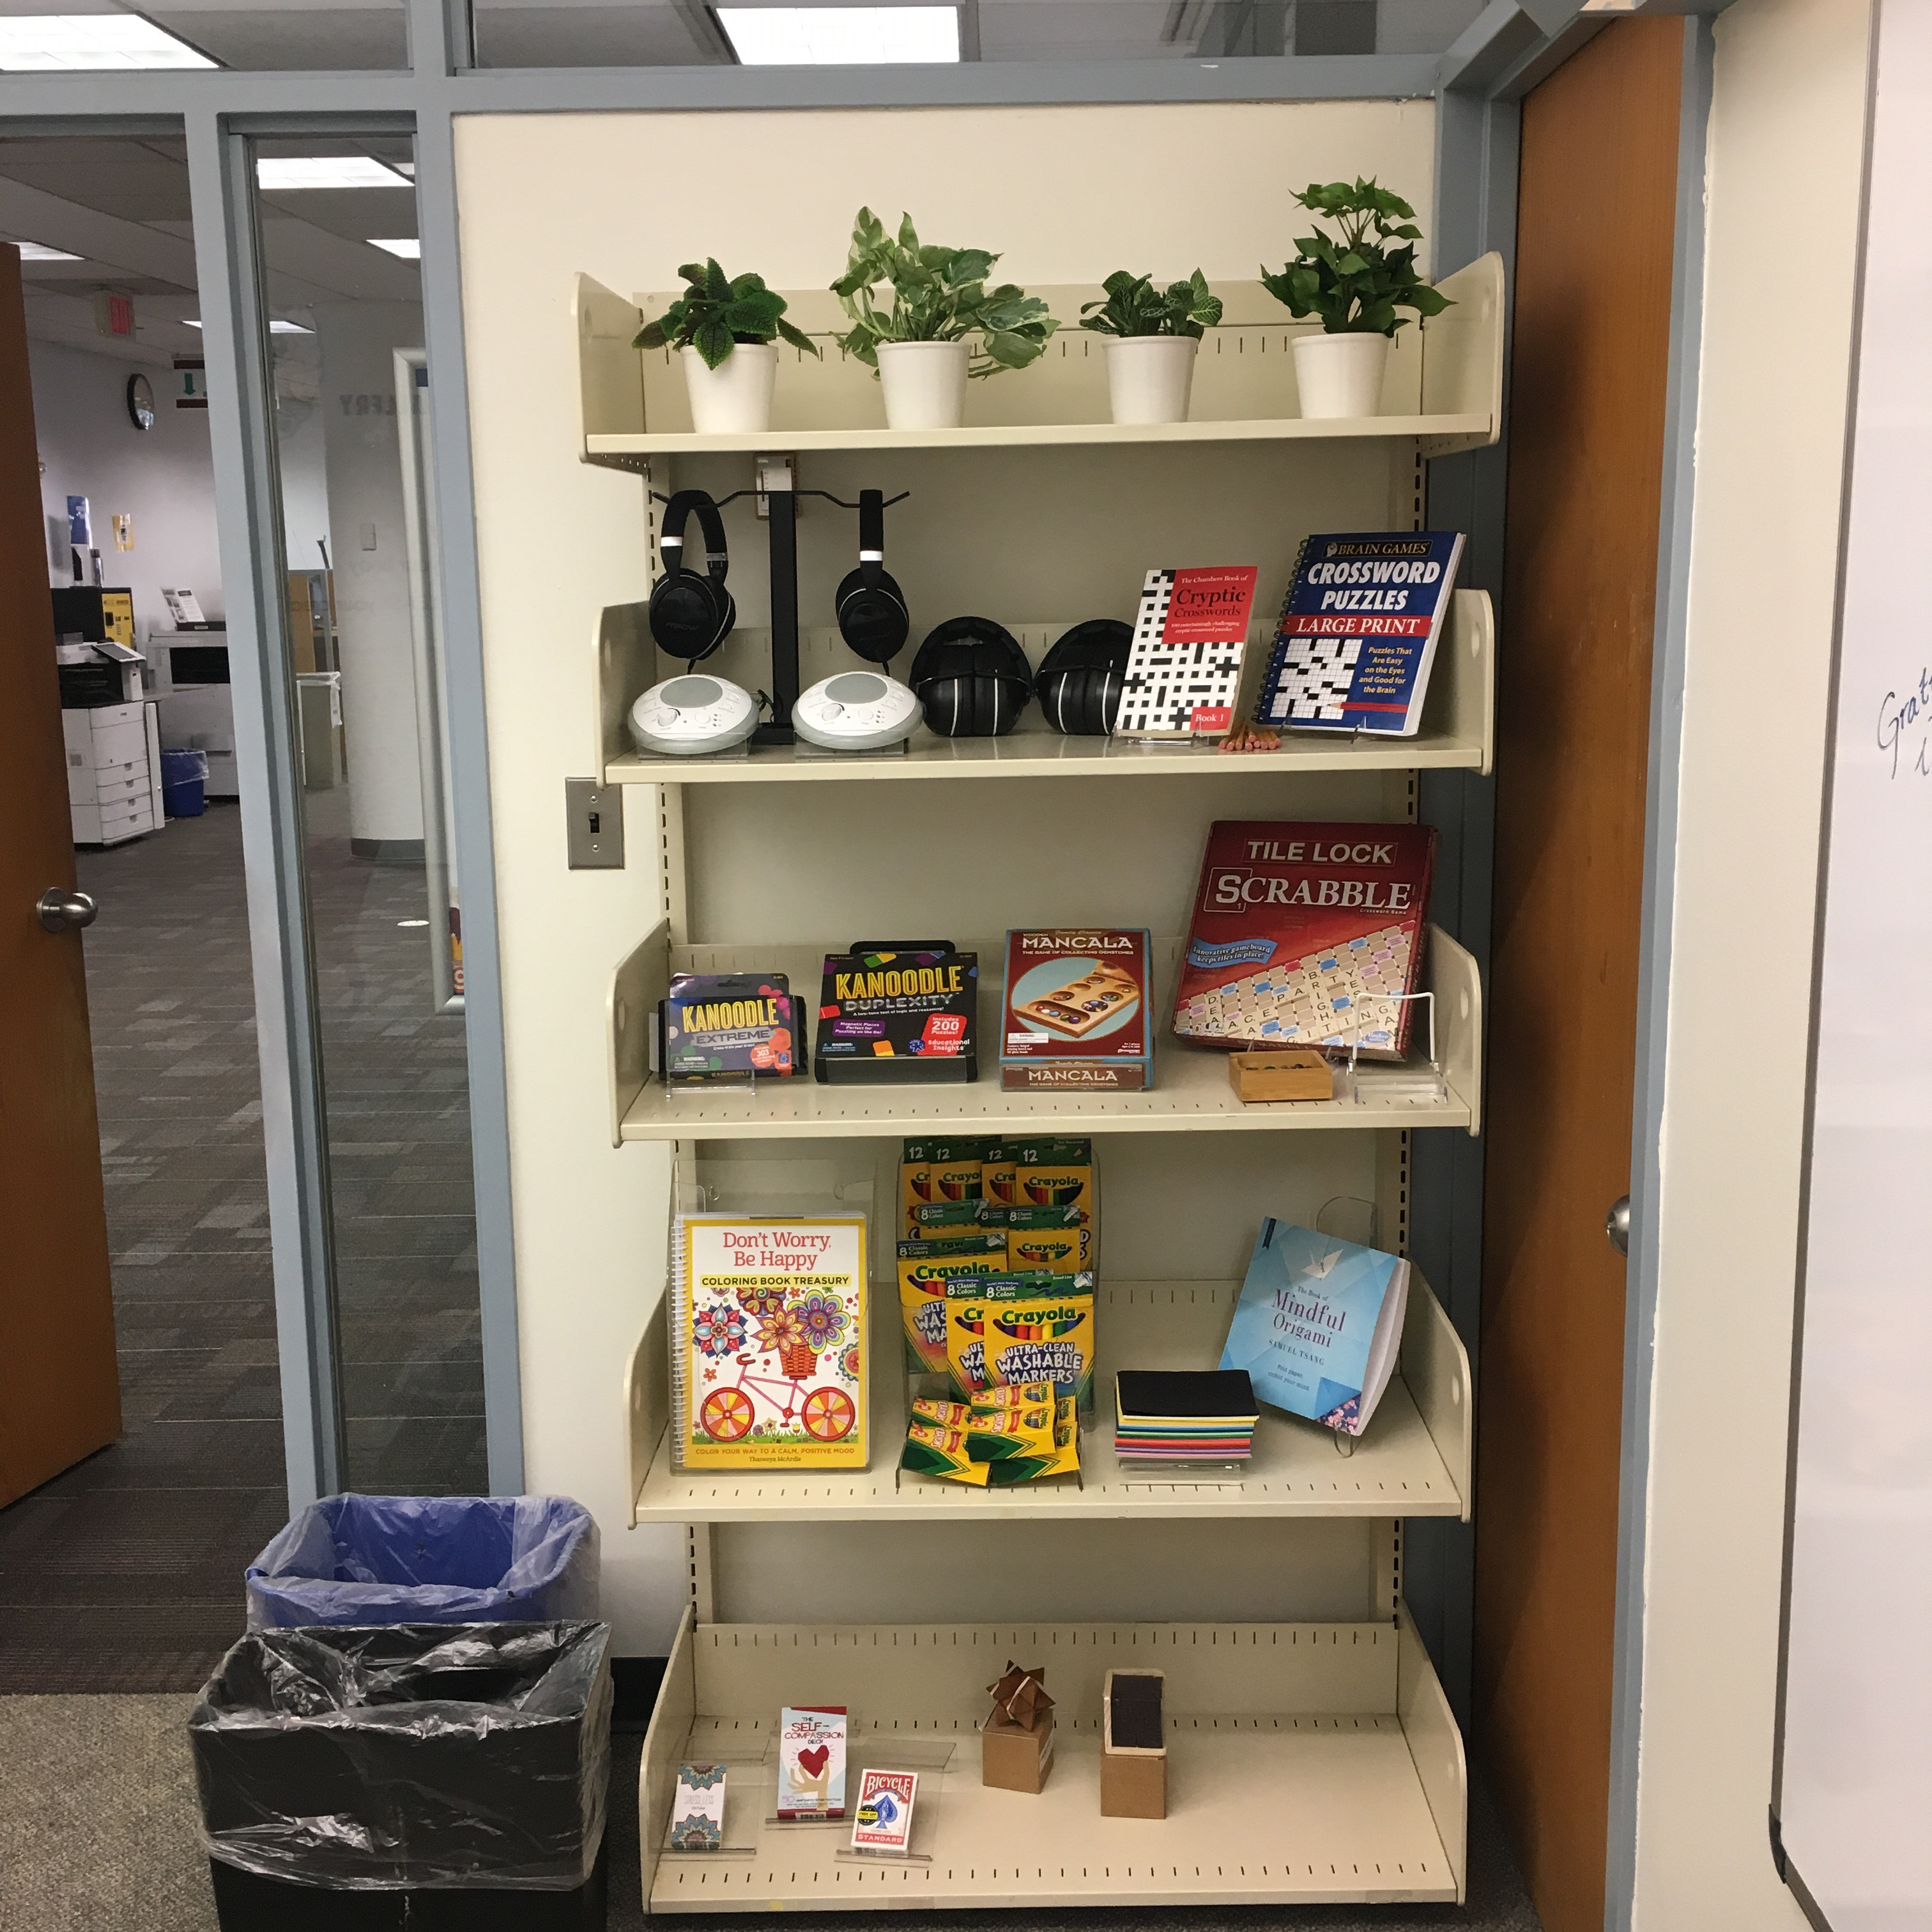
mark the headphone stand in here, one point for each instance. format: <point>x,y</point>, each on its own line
<point>781,502</point>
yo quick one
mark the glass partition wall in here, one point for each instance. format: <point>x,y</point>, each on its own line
<point>336,225</point>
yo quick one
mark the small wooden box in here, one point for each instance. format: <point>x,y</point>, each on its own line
<point>1281,1073</point>
<point>1015,1758</point>
<point>1133,1772</point>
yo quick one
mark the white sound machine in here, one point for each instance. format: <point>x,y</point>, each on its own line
<point>691,714</point>
<point>856,711</point>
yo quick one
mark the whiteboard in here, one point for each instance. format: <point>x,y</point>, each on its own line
<point>1853,1795</point>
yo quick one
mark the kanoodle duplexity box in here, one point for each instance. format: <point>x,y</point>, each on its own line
<point>898,1013</point>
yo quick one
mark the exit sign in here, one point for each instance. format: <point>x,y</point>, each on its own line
<point>114,315</point>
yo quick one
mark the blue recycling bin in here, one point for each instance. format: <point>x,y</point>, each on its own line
<point>378,1560</point>
<point>184,784</point>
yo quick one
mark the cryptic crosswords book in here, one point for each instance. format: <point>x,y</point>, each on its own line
<point>1356,639</point>
<point>1306,935</point>
<point>767,1342</point>
<point>1184,665</point>
<point>1317,1324</point>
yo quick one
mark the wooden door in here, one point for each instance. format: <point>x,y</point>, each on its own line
<point>1595,236</point>
<point>60,1394</point>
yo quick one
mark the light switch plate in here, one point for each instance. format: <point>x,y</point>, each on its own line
<point>594,822</point>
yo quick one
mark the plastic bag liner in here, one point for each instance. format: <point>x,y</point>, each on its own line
<point>368,1560</point>
<point>414,1756</point>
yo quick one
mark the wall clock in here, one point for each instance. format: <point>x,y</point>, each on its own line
<point>140,402</point>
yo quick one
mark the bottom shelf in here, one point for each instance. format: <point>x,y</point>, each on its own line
<point>1307,1764</point>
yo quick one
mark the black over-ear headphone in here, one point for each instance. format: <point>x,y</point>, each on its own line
<point>1081,678</point>
<point>972,679</point>
<point>691,616</point>
<point>872,608</point>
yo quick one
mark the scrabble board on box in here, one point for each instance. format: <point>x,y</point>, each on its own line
<point>1306,935</point>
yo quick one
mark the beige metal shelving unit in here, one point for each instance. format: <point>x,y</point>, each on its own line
<point>1313,1754</point>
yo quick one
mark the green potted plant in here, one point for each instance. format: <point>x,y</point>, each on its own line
<point>1353,281</point>
<point>922,346</point>
<point>1153,334</point>
<point>723,328</point>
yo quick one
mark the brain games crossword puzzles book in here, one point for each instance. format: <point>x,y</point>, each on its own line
<point>1357,637</point>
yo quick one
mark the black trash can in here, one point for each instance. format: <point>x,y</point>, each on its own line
<point>422,1776</point>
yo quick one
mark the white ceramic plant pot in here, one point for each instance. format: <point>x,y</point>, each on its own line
<point>735,398</point>
<point>1150,377</point>
<point>925,384</point>
<point>1340,375</point>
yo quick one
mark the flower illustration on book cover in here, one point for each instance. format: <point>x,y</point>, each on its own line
<point>848,1364</point>
<point>779,1330</point>
<point>821,1320</point>
<point>761,1299</point>
<point>718,1330</point>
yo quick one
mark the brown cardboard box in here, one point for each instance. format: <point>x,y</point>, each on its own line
<point>1133,1767</point>
<point>1281,1073</point>
<point>1015,1757</point>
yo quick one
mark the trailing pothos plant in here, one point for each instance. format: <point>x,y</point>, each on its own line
<point>1134,306</point>
<point>1353,280</point>
<point>938,295</point>
<point>716,313</point>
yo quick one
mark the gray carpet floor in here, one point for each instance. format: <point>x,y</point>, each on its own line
<point>96,1835</point>
<point>125,1573</point>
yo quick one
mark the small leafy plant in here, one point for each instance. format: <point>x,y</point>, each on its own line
<point>939,295</point>
<point>716,313</point>
<point>1135,307</point>
<point>1354,281</point>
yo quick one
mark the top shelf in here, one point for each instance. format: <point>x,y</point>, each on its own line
<point>1443,435</point>
<point>1443,390</point>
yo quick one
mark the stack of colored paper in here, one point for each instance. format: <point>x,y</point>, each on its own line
<point>1184,1415</point>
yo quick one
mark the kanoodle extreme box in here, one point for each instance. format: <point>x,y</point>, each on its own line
<point>1075,1012</point>
<point>899,1012</point>
<point>722,1026</point>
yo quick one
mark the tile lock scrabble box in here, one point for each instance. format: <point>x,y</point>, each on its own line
<point>1306,935</point>
<point>1075,1011</point>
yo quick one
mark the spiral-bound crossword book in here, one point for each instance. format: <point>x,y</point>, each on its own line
<point>768,1342</point>
<point>1356,640</point>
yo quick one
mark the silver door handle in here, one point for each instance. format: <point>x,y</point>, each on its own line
<point>1616,1224</point>
<point>65,912</point>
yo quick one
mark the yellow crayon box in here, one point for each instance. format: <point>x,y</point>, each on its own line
<point>924,1268</point>
<point>940,1452</point>
<point>1051,1238</point>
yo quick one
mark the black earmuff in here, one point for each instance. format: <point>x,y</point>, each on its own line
<point>692,615</point>
<point>972,679</point>
<point>872,608</point>
<point>1081,678</point>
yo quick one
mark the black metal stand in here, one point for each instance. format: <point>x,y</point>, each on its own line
<point>782,505</point>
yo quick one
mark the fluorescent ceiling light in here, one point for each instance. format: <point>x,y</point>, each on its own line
<point>32,42</point>
<point>277,327</point>
<point>409,248</point>
<point>842,36</point>
<point>35,251</point>
<point>279,173</point>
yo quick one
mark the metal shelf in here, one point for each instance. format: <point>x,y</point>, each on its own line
<point>1445,435</point>
<point>1414,1459</point>
<point>1459,725</point>
<point>1191,1092</point>
<point>1308,1763</point>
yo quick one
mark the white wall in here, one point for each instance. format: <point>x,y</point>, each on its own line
<point>368,544</point>
<point>543,198</point>
<point>164,477</point>
<point>1786,135</point>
